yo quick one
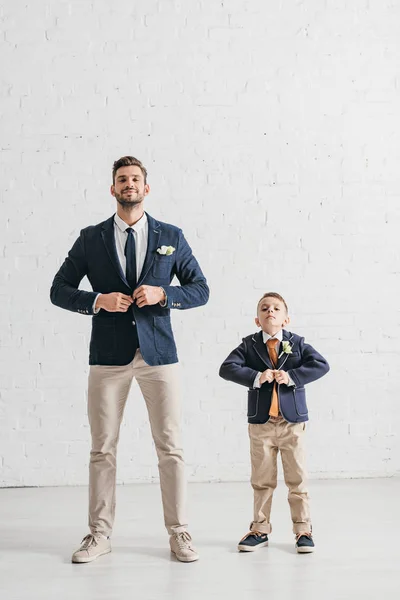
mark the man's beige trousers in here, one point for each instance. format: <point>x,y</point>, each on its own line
<point>108,391</point>
<point>266,440</point>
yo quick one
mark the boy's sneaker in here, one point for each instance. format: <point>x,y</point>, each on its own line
<point>91,548</point>
<point>304,543</point>
<point>252,541</point>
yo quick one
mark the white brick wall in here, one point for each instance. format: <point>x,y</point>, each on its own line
<point>271,135</point>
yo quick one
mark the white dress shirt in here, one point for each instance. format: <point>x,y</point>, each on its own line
<point>266,337</point>
<point>141,235</point>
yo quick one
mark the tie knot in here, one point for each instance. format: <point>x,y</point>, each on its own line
<point>129,230</point>
<point>272,342</point>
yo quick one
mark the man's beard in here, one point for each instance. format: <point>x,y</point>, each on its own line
<point>130,203</point>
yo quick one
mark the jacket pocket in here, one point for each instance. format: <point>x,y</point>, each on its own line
<point>103,341</point>
<point>253,397</point>
<point>300,401</point>
<point>162,266</point>
<point>163,336</point>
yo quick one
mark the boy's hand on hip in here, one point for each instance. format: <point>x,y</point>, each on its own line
<point>147,295</point>
<point>281,377</point>
<point>267,375</point>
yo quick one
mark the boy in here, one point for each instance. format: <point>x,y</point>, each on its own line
<point>275,365</point>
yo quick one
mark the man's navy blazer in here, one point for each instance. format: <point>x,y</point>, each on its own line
<point>116,335</point>
<point>303,364</point>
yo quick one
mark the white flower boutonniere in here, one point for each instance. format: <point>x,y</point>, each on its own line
<point>166,250</point>
<point>286,348</point>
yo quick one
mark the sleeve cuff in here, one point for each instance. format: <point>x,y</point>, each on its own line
<point>96,310</point>
<point>256,382</point>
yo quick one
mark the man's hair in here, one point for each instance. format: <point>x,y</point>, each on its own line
<point>127,161</point>
<point>273,295</point>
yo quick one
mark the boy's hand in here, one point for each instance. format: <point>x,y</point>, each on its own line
<point>267,375</point>
<point>281,377</point>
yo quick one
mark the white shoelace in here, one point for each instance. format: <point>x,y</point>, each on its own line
<point>88,541</point>
<point>183,540</point>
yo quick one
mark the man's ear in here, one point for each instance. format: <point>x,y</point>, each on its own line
<point>112,190</point>
<point>146,189</point>
<point>257,322</point>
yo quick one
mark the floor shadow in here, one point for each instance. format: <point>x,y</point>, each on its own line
<point>162,553</point>
<point>289,548</point>
<point>230,547</point>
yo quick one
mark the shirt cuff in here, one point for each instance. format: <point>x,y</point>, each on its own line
<point>163,303</point>
<point>291,382</point>
<point>96,310</point>
<point>256,382</point>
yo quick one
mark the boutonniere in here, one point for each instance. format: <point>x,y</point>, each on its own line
<point>286,349</point>
<point>166,250</point>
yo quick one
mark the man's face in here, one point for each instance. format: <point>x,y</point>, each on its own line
<point>271,315</point>
<point>129,188</point>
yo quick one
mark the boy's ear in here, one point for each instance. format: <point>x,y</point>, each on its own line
<point>287,320</point>
<point>257,322</point>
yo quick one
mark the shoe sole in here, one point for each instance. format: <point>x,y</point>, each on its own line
<point>251,548</point>
<point>89,558</point>
<point>304,550</point>
<point>183,559</point>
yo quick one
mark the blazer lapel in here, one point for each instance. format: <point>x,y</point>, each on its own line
<point>109,241</point>
<point>152,245</point>
<point>261,349</point>
<point>287,337</point>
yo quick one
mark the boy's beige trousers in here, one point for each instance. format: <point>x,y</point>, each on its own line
<point>266,440</point>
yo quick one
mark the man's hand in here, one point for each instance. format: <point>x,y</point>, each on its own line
<point>114,302</point>
<point>267,375</point>
<point>147,295</point>
<point>281,377</point>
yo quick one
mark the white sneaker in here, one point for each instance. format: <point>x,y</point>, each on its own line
<point>181,546</point>
<point>91,548</point>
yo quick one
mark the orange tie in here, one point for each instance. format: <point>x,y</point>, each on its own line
<point>271,345</point>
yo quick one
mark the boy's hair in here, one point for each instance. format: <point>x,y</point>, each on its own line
<point>127,161</point>
<point>273,295</point>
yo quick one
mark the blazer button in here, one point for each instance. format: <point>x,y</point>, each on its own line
<point>133,322</point>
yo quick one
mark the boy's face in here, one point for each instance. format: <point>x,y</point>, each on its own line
<point>271,315</point>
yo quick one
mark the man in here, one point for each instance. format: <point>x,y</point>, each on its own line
<point>130,260</point>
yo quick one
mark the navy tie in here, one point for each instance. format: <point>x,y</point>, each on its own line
<point>130,254</point>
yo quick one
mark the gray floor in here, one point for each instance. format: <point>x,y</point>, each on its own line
<point>356,530</point>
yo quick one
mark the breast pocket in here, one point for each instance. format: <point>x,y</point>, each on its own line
<point>162,266</point>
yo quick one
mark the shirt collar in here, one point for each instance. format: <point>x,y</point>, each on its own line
<point>124,226</point>
<point>277,336</point>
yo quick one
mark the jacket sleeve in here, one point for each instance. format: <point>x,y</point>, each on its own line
<point>193,289</point>
<point>313,366</point>
<point>234,367</point>
<point>64,290</point>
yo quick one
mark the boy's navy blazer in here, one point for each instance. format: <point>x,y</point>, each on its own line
<point>116,335</point>
<point>304,365</point>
